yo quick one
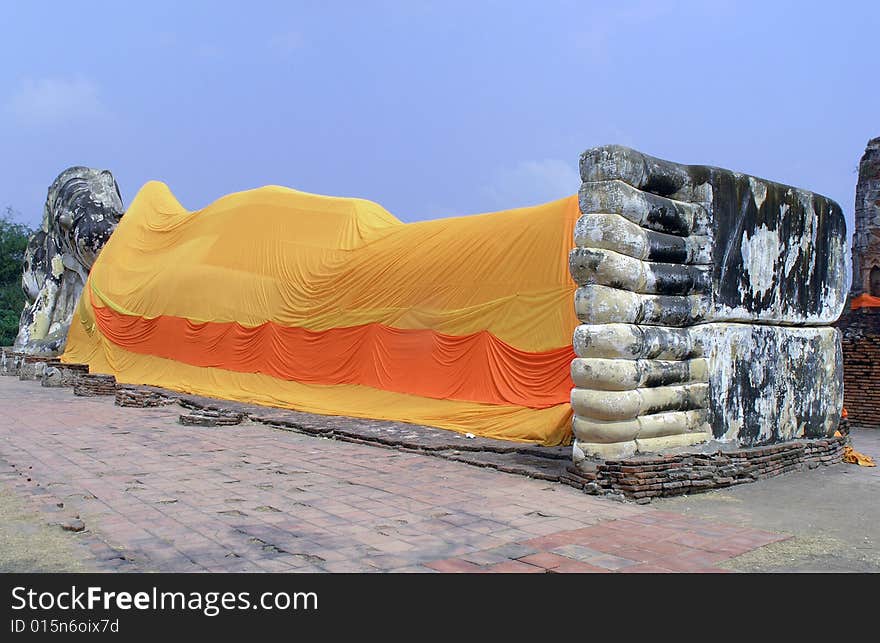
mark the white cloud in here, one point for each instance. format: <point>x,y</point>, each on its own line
<point>54,101</point>
<point>532,182</point>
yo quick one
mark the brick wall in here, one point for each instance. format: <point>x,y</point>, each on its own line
<point>861,380</point>
<point>861,365</point>
<point>641,478</point>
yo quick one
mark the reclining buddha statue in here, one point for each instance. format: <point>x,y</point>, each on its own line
<point>662,306</point>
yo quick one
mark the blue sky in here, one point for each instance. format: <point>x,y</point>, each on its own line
<point>429,108</point>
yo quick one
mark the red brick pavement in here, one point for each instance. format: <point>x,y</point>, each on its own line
<point>156,495</point>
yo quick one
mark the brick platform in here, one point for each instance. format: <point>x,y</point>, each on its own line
<point>157,496</point>
<point>640,478</point>
<point>50,371</point>
<point>92,385</point>
<point>141,398</point>
<point>646,477</point>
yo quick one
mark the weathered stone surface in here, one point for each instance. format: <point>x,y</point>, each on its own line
<point>10,361</point>
<point>53,376</point>
<point>62,375</point>
<point>772,383</point>
<point>777,253</point>
<point>74,525</point>
<point>211,418</point>
<point>82,209</point>
<point>31,370</point>
<point>705,297</point>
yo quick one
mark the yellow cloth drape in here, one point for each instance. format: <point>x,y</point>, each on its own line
<point>204,302</point>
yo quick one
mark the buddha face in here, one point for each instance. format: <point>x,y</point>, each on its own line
<point>82,210</point>
<point>86,208</point>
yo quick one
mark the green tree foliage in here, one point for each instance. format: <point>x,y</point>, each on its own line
<point>13,241</point>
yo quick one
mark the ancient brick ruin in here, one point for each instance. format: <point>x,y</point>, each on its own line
<point>860,326</point>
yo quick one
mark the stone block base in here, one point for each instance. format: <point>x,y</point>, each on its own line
<point>211,418</point>
<point>141,397</point>
<point>32,367</point>
<point>641,478</point>
<point>10,361</point>
<point>63,374</point>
